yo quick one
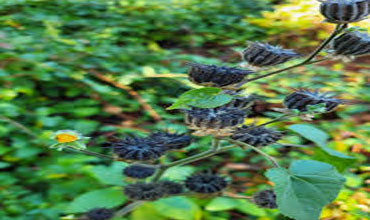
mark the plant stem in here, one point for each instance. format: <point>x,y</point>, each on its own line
<point>281,118</point>
<point>91,153</point>
<point>18,125</point>
<point>215,144</point>
<point>268,157</point>
<point>338,29</point>
<point>128,208</point>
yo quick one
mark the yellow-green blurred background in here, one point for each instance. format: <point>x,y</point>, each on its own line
<point>82,64</point>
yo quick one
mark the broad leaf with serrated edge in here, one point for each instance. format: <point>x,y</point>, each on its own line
<point>304,189</point>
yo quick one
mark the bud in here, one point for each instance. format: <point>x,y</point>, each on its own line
<point>302,98</point>
<point>260,55</point>
<point>171,188</point>
<point>265,199</point>
<point>138,171</point>
<point>216,76</point>
<point>138,149</point>
<point>216,121</point>
<point>344,11</point>
<point>144,191</point>
<point>352,44</point>
<point>171,141</point>
<point>99,214</point>
<point>258,136</point>
<point>205,183</point>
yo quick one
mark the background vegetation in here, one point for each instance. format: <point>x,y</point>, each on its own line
<point>107,68</point>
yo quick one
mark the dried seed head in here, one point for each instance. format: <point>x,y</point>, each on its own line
<point>265,199</point>
<point>260,55</point>
<point>144,191</point>
<point>352,44</point>
<point>171,188</point>
<point>138,149</point>
<point>217,121</point>
<point>239,100</point>
<point>99,214</point>
<point>171,141</point>
<point>344,11</point>
<point>258,136</point>
<point>138,171</point>
<point>216,76</point>
<point>205,183</point>
<point>300,99</point>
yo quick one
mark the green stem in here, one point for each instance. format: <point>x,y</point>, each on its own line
<point>90,153</point>
<point>281,118</point>
<point>268,157</point>
<point>18,125</point>
<point>339,28</point>
<point>128,208</point>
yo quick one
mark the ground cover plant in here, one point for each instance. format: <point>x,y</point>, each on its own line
<point>129,173</point>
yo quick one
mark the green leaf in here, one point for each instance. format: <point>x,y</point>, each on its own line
<point>304,189</point>
<point>222,204</point>
<point>145,210</point>
<point>178,173</point>
<point>335,158</point>
<point>108,198</point>
<point>311,133</point>
<point>208,97</point>
<point>179,208</point>
<point>109,175</point>
<point>324,153</point>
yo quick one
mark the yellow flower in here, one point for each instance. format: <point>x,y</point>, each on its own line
<point>66,138</point>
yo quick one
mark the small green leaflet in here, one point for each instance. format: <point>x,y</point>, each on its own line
<point>207,97</point>
<point>304,189</point>
<point>323,153</point>
<point>242,205</point>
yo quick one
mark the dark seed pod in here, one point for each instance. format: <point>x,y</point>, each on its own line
<point>265,199</point>
<point>258,136</point>
<point>216,76</point>
<point>344,11</point>
<point>99,214</point>
<point>138,171</point>
<point>144,191</point>
<point>138,149</point>
<point>205,183</point>
<point>352,44</point>
<point>260,55</point>
<point>300,99</point>
<point>217,121</point>
<point>171,188</point>
<point>171,141</point>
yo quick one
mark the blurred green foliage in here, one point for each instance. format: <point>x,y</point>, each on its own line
<point>52,54</point>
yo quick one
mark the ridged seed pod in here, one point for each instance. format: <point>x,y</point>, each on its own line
<point>344,11</point>
<point>239,101</point>
<point>171,188</point>
<point>352,44</point>
<point>265,199</point>
<point>217,121</point>
<point>99,214</point>
<point>171,141</point>
<point>258,136</point>
<point>300,99</point>
<point>144,191</point>
<point>261,55</point>
<point>205,183</point>
<point>138,171</point>
<point>216,76</point>
<point>138,149</point>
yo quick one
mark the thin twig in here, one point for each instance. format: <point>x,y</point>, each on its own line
<point>91,153</point>
<point>244,145</point>
<point>128,208</point>
<point>131,92</point>
<point>18,125</point>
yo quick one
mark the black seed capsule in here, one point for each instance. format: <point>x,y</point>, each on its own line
<point>300,99</point>
<point>352,44</point>
<point>258,136</point>
<point>171,188</point>
<point>138,171</point>
<point>216,76</point>
<point>260,55</point>
<point>239,100</point>
<point>205,183</point>
<point>144,191</point>
<point>265,199</point>
<point>138,149</point>
<point>344,11</point>
<point>217,121</point>
<point>171,141</point>
<point>99,214</point>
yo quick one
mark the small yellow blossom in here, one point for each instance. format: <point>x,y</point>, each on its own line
<point>66,138</point>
